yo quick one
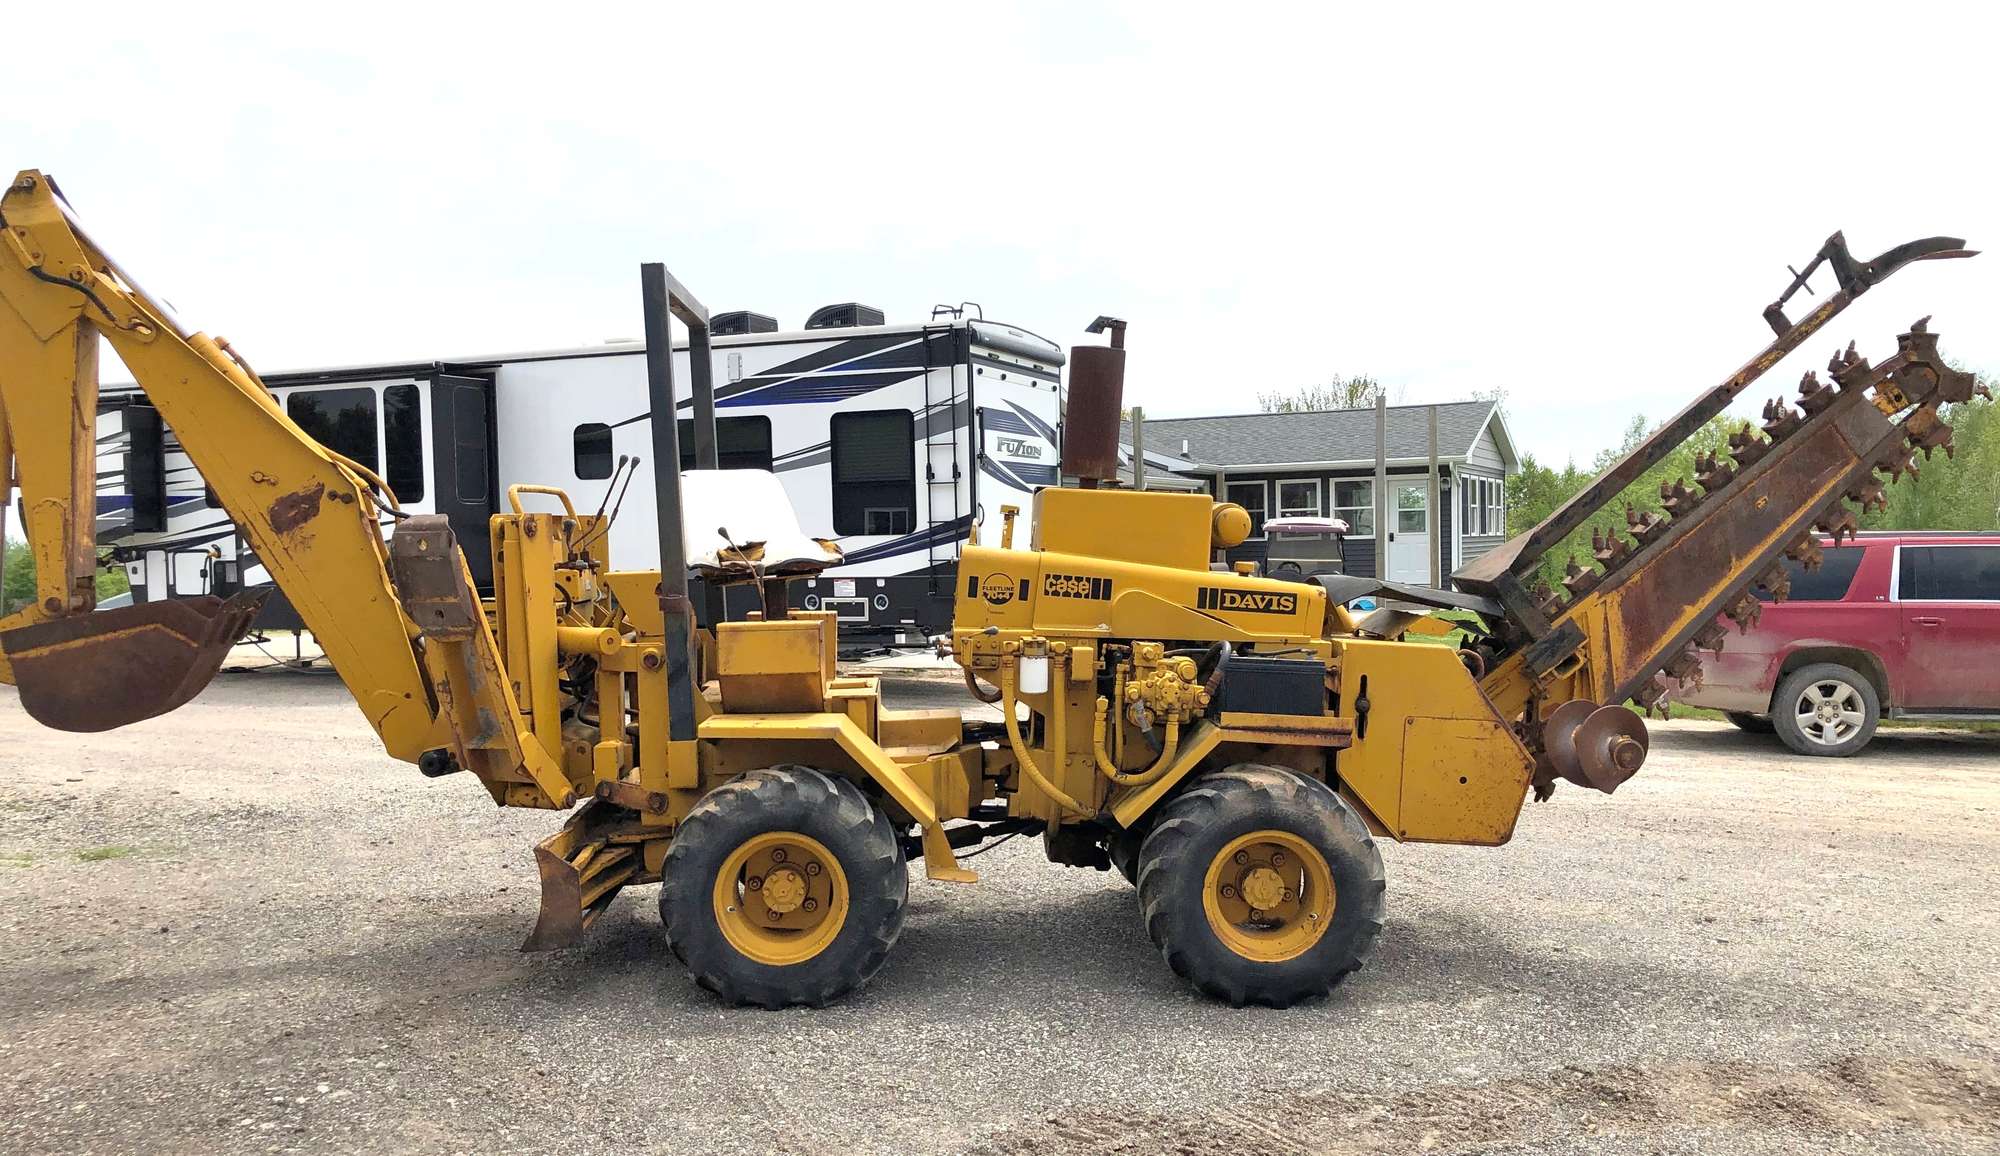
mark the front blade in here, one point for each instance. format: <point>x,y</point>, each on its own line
<point>110,668</point>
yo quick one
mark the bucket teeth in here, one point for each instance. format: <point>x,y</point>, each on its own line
<point>1676,499</point>
<point>1710,637</point>
<point>1712,471</point>
<point>1650,694</point>
<point>1780,419</point>
<point>1777,581</point>
<point>1745,611</point>
<point>1926,432</point>
<point>1579,580</point>
<point>1814,396</point>
<point>1684,668</point>
<point>1746,447</point>
<point>1837,522</point>
<point>1896,462</point>
<point>1806,552</point>
<point>1643,527</point>
<point>1849,367</point>
<point>1609,548</point>
<point>1869,495</point>
<point>1547,601</point>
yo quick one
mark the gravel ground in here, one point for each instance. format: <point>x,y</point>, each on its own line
<point>241,928</point>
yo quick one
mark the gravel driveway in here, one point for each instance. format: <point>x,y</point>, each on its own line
<point>242,928</point>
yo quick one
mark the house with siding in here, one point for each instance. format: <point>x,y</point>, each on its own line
<point>1322,462</point>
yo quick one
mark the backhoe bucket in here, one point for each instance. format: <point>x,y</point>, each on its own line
<point>97,671</point>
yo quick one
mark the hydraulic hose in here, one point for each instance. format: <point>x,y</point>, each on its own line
<point>1110,769</point>
<point>972,685</point>
<point>1020,748</point>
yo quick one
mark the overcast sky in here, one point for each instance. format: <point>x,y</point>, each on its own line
<point>1587,208</point>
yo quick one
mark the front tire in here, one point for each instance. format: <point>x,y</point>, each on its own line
<point>1826,709</point>
<point>1259,885</point>
<point>783,886</point>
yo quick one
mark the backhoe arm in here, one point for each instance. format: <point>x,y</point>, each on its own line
<point>310,515</point>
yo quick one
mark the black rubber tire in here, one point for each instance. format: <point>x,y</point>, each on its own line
<point>1755,724</point>
<point>1854,687</point>
<point>1123,848</point>
<point>789,798</point>
<point>1194,826</point>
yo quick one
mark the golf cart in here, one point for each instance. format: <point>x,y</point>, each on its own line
<point>1304,547</point>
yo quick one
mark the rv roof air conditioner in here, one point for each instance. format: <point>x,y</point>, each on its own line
<point>742,321</point>
<point>845,315</point>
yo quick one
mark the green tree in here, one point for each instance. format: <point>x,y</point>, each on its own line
<point>1356,392</point>
<point>17,579</point>
<point>1960,492</point>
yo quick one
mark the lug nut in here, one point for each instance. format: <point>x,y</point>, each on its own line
<point>755,882</point>
<point>812,868</point>
<point>775,915</point>
<point>810,904</point>
<point>1277,858</point>
<point>778,856</point>
<point>1228,892</point>
<point>1291,895</point>
<point>1242,858</point>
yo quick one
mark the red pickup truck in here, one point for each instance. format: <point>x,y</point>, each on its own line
<point>1903,625</point>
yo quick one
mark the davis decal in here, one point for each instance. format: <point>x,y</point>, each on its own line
<point>1076,586</point>
<point>1245,601</point>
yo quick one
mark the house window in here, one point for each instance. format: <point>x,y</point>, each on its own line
<point>403,438</point>
<point>1354,503</point>
<point>342,420</point>
<point>1252,497</point>
<point>592,448</point>
<point>874,472</point>
<point>1298,498</point>
<point>1485,506</point>
<point>741,443</point>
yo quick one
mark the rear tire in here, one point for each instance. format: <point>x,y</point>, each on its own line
<point>833,907</point>
<point>1825,709</point>
<point>1253,835</point>
<point>1755,724</point>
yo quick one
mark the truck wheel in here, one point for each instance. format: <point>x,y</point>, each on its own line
<point>1260,886</point>
<point>783,886</point>
<point>1755,724</point>
<point>1825,709</point>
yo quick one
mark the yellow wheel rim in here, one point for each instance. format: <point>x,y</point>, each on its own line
<point>1268,895</point>
<point>780,898</point>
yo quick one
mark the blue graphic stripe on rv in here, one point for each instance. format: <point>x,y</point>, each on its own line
<point>941,534</point>
<point>1019,476</point>
<point>817,390</point>
<point>1000,421</point>
<point>1034,419</point>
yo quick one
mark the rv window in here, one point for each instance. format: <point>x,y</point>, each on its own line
<point>403,438</point>
<point>741,443</point>
<point>470,449</point>
<point>342,420</point>
<point>874,472</point>
<point>1250,496</point>
<point>593,450</point>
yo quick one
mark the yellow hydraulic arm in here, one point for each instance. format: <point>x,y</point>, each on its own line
<point>311,515</point>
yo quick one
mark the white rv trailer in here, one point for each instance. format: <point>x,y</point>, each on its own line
<point>890,438</point>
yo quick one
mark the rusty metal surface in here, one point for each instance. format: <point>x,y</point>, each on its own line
<point>1506,565</point>
<point>105,669</point>
<point>1091,422</point>
<point>290,511</point>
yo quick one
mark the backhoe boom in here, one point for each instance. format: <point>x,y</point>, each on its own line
<point>310,516</point>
